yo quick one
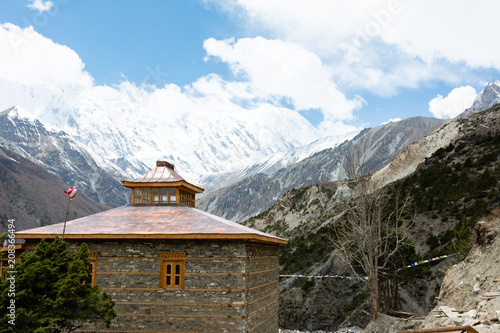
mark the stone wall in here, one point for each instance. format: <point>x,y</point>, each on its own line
<point>262,288</point>
<point>229,286</point>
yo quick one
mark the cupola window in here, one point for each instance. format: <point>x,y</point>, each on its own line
<point>162,186</point>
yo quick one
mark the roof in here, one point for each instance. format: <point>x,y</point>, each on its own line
<point>160,174</point>
<point>163,174</point>
<point>151,222</point>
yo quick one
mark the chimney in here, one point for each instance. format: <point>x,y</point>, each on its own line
<point>164,164</point>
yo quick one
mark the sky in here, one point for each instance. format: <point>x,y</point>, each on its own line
<point>342,65</point>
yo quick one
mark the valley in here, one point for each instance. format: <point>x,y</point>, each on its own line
<point>450,169</point>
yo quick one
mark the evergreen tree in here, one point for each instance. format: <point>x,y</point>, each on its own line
<point>53,292</point>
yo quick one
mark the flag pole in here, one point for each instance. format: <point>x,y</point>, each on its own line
<point>66,218</point>
<point>71,192</point>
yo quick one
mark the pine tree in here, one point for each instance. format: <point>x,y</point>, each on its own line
<point>53,292</point>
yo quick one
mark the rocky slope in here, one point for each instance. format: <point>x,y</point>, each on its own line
<point>468,285</point>
<point>470,290</point>
<point>412,155</point>
<point>34,197</point>
<point>473,285</point>
<point>377,146</point>
<point>452,189</point>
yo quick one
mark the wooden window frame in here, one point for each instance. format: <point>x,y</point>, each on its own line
<point>172,259</point>
<point>181,197</point>
<point>93,261</point>
<point>4,267</point>
<point>151,196</point>
<point>186,198</point>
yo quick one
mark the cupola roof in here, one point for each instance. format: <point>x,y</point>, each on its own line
<point>162,175</point>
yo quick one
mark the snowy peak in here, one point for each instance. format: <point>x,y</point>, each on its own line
<point>270,164</point>
<point>377,147</point>
<point>17,112</point>
<point>129,128</point>
<point>55,150</point>
<point>488,97</point>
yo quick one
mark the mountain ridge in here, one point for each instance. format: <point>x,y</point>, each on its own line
<point>257,193</point>
<point>451,190</point>
<point>34,197</point>
<point>56,151</point>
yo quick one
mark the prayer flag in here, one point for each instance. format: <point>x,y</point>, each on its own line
<point>71,192</point>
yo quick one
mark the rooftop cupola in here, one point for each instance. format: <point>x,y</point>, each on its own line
<point>162,186</point>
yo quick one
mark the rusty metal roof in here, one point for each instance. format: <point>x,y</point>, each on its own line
<point>151,222</point>
<point>162,175</point>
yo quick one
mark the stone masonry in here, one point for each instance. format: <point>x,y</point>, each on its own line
<point>230,286</point>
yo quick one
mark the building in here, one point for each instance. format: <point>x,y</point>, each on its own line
<point>173,268</point>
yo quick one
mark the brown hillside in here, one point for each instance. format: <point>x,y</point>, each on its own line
<point>34,197</point>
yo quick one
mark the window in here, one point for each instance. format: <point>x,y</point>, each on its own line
<point>93,267</point>
<point>173,197</point>
<point>154,195</point>
<point>164,195</point>
<point>172,268</point>
<point>145,195</point>
<point>155,198</point>
<point>137,192</point>
<point>4,267</point>
<point>186,198</point>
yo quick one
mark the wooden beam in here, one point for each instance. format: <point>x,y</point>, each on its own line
<point>246,237</point>
<point>449,312</point>
<point>183,304</point>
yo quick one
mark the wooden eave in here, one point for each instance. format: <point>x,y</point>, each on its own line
<point>16,247</point>
<point>151,222</point>
<point>247,237</point>
<point>179,184</point>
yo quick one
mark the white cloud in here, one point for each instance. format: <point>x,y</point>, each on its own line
<point>40,5</point>
<point>31,58</point>
<point>455,103</point>
<point>392,120</point>
<point>386,78</point>
<point>276,69</point>
<point>465,33</point>
<point>49,80</point>
<point>383,45</point>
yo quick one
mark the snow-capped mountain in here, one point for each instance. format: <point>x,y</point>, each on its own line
<point>100,135</point>
<point>34,197</point>
<point>377,146</point>
<point>42,143</point>
<point>132,132</point>
<point>196,144</point>
<point>488,97</point>
<point>273,163</point>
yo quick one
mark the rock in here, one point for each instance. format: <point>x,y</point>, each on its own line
<point>472,314</point>
<point>388,324</point>
<point>462,283</point>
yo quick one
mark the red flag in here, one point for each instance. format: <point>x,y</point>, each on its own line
<point>71,192</point>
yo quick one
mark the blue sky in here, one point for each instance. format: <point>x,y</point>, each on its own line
<point>341,65</point>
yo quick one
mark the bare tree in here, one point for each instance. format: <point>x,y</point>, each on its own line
<point>372,231</point>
